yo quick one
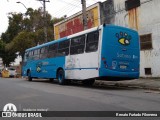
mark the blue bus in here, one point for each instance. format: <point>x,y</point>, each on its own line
<point>106,52</point>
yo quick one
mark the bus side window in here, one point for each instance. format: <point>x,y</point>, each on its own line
<point>30,55</point>
<point>77,45</point>
<point>92,41</point>
<point>52,50</point>
<point>63,49</point>
<point>26,56</point>
<point>36,54</point>
<point>43,54</point>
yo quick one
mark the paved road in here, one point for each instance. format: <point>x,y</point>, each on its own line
<point>41,94</point>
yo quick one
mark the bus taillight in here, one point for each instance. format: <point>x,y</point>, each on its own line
<point>104,62</point>
<point>103,58</point>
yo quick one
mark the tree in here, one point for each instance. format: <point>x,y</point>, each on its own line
<point>6,56</point>
<point>2,46</point>
<point>15,26</point>
<point>21,42</point>
<point>25,31</point>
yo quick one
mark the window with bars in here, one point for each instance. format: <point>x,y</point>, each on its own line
<point>148,71</point>
<point>146,41</point>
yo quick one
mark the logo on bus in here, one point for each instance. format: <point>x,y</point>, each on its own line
<point>123,38</point>
<point>38,67</point>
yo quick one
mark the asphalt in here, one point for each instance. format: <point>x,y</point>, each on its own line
<point>142,83</point>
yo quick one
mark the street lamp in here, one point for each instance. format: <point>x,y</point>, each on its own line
<point>22,4</point>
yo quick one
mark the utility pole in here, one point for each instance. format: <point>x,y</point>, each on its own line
<point>84,14</point>
<point>44,16</point>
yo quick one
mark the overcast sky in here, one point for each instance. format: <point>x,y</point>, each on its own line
<point>57,8</point>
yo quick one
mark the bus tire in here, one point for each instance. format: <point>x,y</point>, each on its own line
<point>61,77</point>
<point>29,76</point>
<point>88,82</point>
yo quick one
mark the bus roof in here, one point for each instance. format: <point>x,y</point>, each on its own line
<point>62,39</point>
<point>77,34</point>
<point>46,44</point>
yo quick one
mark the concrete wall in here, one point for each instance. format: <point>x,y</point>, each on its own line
<point>146,20</point>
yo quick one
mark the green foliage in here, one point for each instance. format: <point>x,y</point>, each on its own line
<point>56,20</point>
<point>2,48</point>
<point>21,42</point>
<point>15,26</point>
<point>25,31</point>
<point>7,56</point>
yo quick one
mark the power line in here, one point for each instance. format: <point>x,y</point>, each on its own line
<point>80,2</point>
<point>69,3</point>
<point>67,9</point>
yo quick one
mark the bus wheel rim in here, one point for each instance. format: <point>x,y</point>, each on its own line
<point>60,77</point>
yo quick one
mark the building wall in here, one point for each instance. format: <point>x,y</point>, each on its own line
<point>74,23</point>
<point>146,20</point>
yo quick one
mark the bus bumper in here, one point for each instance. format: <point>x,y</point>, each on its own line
<point>117,75</point>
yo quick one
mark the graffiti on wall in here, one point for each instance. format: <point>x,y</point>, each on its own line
<point>153,53</point>
<point>75,24</point>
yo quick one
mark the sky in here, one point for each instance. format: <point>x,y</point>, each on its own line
<point>57,8</point>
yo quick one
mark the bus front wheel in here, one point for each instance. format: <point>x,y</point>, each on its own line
<point>60,77</point>
<point>29,76</point>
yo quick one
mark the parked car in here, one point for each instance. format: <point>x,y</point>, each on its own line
<point>12,72</point>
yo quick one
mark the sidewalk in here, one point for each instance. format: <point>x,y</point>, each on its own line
<point>142,83</point>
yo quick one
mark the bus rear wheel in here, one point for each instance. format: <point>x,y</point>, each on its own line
<point>29,76</point>
<point>61,77</point>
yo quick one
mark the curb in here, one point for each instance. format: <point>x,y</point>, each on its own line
<point>137,86</point>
